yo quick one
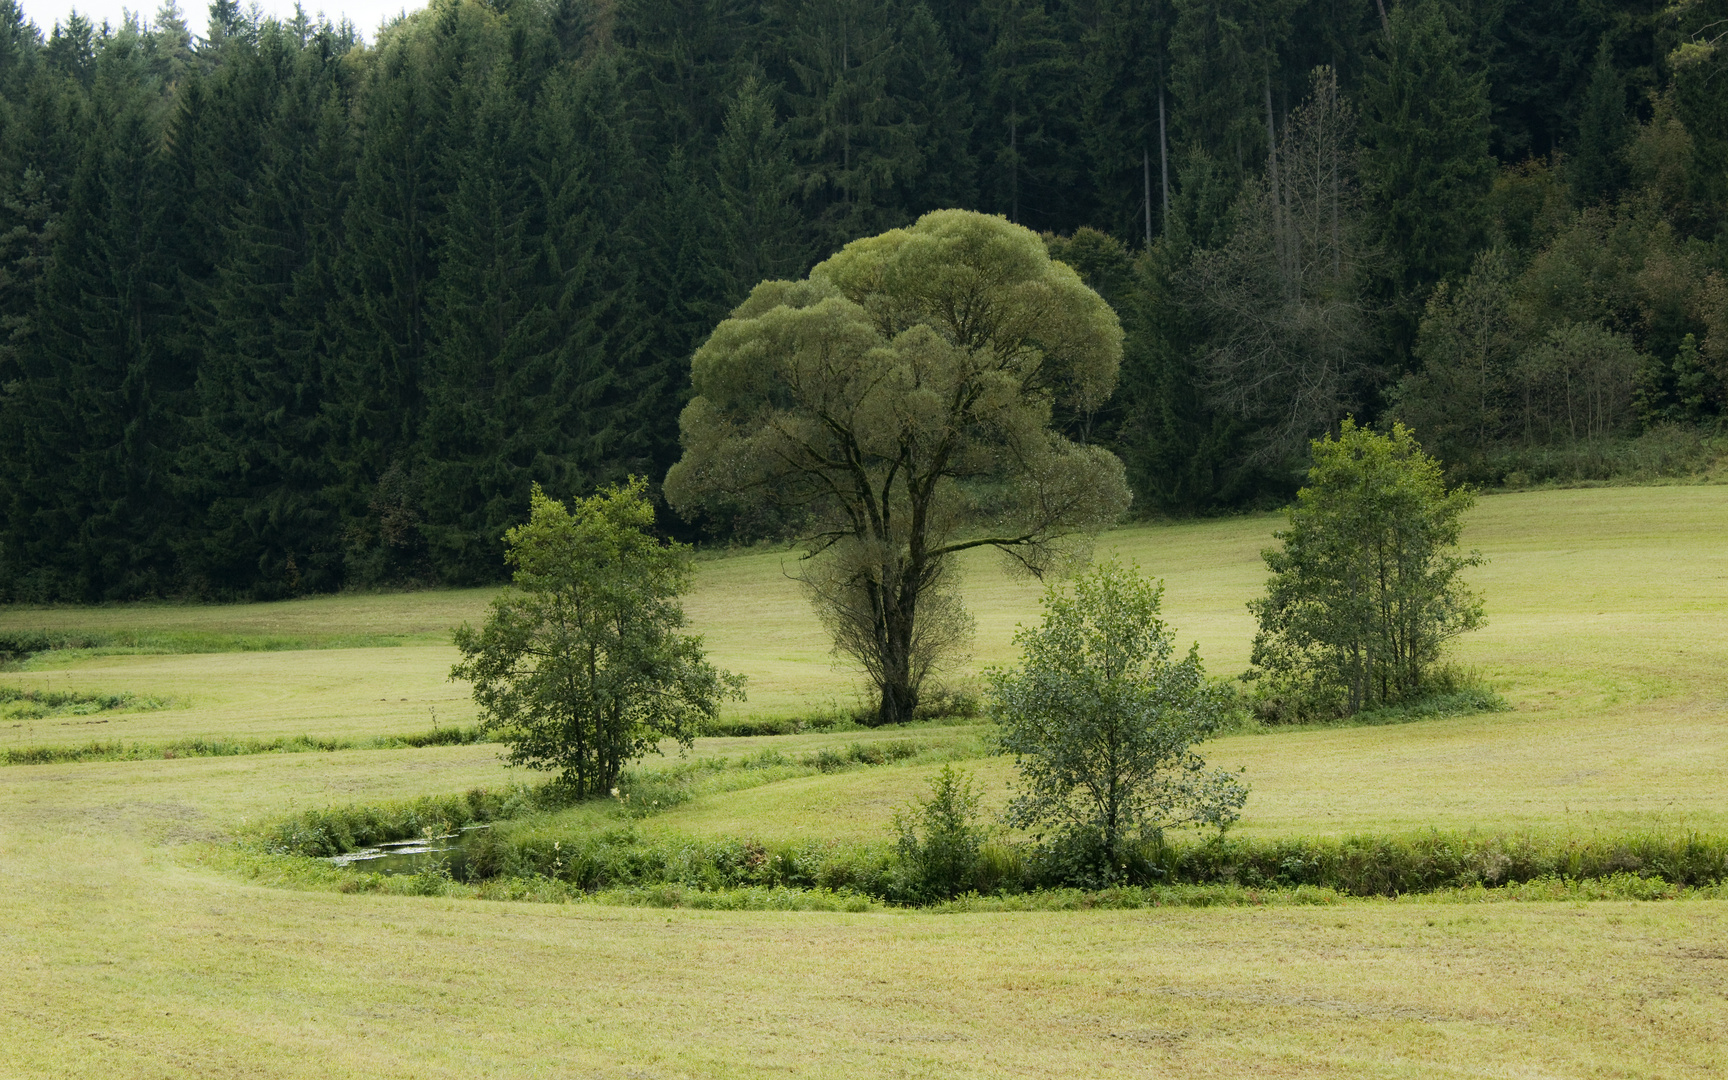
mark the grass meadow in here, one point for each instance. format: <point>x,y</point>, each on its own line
<point>139,947</point>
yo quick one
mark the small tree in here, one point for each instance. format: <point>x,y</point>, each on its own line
<point>896,406</point>
<point>940,839</point>
<point>1365,589</point>
<point>580,667</point>
<point>1102,721</point>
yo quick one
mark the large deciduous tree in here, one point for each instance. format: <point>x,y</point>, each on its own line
<point>897,403</point>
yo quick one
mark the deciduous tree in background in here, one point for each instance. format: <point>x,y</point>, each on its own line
<point>1283,302</point>
<point>581,667</point>
<point>1102,719</point>
<point>1365,589</point>
<point>898,402</point>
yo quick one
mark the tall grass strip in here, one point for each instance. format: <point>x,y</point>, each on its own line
<point>221,747</point>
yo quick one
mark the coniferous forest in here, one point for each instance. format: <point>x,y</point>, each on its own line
<point>283,311</point>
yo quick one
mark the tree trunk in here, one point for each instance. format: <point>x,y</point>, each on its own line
<point>899,695</point>
<point>1163,161</point>
<point>899,690</point>
<point>1146,201</point>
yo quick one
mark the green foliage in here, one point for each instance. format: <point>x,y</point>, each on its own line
<point>580,668</point>
<point>1597,167</point>
<point>1448,693</point>
<point>1426,168</point>
<point>1665,451</point>
<point>288,312</point>
<point>333,831</point>
<point>33,704</point>
<point>1365,590</point>
<point>899,402</point>
<point>524,854</point>
<point>940,840</point>
<point>1102,721</point>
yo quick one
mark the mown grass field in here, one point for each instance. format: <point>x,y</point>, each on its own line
<point>136,951</point>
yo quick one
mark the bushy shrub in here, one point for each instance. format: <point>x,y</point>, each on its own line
<point>940,840</point>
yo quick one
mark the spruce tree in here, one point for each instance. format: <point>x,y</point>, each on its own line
<point>757,187</point>
<point>1125,101</point>
<point>20,52</point>
<point>941,115</point>
<point>590,175</point>
<point>92,517</point>
<point>1425,165</point>
<point>381,320</point>
<point>851,136</point>
<point>257,467</point>
<point>681,60</point>
<point>485,430</point>
<point>1029,123</point>
<point>1597,168</point>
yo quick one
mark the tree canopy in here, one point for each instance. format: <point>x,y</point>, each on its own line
<point>895,408</point>
<point>286,309</point>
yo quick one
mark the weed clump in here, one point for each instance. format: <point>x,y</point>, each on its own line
<point>35,704</point>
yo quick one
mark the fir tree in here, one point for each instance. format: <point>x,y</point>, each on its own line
<point>757,187</point>
<point>941,115</point>
<point>1597,167</point>
<point>1425,168</point>
<point>1031,93</point>
<point>850,133</point>
<point>92,516</point>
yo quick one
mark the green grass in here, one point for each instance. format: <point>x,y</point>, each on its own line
<point>145,943</point>
<point>36,704</point>
<point>224,747</point>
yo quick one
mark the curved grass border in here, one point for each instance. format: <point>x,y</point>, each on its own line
<point>222,747</point>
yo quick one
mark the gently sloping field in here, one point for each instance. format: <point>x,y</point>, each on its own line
<point>354,692</point>
<point>137,954</point>
<point>1595,597</point>
<point>1650,766</point>
<point>131,959</point>
<point>391,617</point>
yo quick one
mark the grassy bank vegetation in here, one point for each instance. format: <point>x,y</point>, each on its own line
<point>220,747</point>
<point>36,704</point>
<point>596,846</point>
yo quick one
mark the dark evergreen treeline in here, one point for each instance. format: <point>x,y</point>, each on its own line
<point>280,311</point>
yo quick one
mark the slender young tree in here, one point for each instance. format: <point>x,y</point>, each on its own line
<point>1102,719</point>
<point>1365,589</point>
<point>582,667</point>
<point>1597,167</point>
